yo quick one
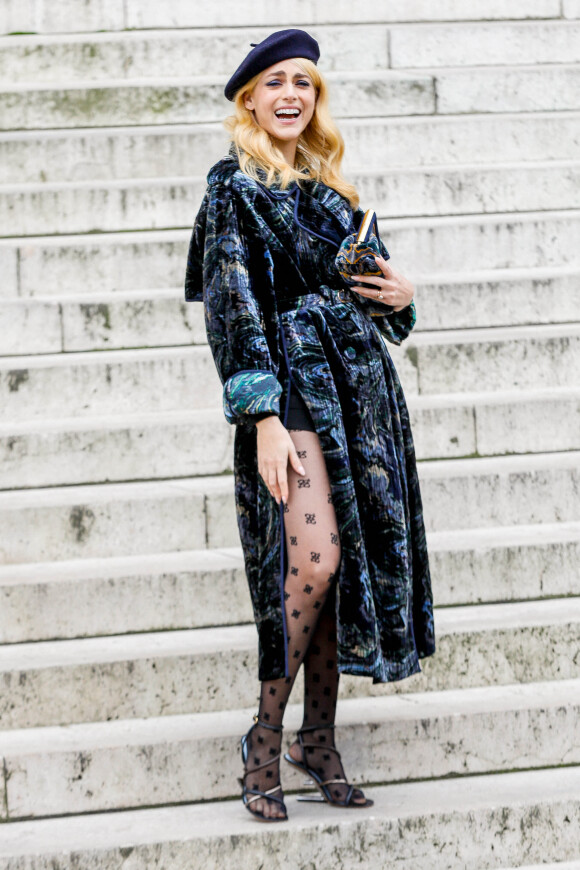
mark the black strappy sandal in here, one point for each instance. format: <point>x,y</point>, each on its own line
<point>322,785</point>
<point>267,795</point>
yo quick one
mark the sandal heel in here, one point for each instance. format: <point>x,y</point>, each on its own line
<point>322,785</point>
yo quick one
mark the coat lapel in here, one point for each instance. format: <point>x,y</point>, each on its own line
<point>332,208</point>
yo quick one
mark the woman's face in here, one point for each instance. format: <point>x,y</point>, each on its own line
<point>283,100</point>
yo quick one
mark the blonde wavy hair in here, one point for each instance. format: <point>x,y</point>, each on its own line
<point>319,150</point>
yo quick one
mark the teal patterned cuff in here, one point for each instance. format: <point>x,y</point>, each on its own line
<point>251,392</point>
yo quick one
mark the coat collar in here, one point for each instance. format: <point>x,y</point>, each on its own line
<point>336,209</point>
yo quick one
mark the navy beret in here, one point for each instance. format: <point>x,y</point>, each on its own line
<point>281,45</point>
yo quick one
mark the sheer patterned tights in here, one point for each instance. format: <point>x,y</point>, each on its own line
<point>313,549</point>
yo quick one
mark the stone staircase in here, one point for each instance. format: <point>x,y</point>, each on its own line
<point>128,659</point>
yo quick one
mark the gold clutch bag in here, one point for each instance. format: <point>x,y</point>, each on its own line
<point>356,255</point>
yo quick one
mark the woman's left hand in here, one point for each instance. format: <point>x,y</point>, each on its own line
<point>396,290</point>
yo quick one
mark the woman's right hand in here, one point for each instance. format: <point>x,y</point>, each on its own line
<point>275,450</point>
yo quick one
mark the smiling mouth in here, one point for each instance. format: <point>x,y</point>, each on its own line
<point>287,114</point>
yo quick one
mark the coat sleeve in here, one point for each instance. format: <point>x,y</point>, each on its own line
<point>218,272</point>
<point>396,325</point>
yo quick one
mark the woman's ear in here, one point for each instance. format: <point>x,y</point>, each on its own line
<point>249,102</point>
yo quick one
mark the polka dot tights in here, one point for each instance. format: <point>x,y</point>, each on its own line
<point>313,551</point>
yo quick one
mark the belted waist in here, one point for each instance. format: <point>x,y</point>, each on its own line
<point>325,296</point>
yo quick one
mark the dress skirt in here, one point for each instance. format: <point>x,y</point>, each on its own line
<point>298,414</point>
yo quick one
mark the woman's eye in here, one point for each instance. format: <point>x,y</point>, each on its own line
<point>304,83</point>
<point>273,82</point>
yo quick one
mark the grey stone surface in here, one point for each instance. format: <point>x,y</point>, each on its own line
<point>158,54</point>
<point>194,99</point>
<point>146,14</point>
<point>505,564</point>
<point>93,264</point>
<point>32,15</point>
<point>142,318</point>
<point>173,672</point>
<point>116,595</point>
<point>111,520</point>
<point>358,45</point>
<point>560,865</point>
<point>496,359</point>
<point>114,206</point>
<point>47,156</point>
<point>141,447</point>
<point>110,321</point>
<point>488,44</point>
<point>514,297</point>
<point>132,381</point>
<point>118,519</point>
<point>571,8</point>
<point>533,815</point>
<point>127,518</point>
<point>508,89</point>
<point>175,759</point>
<point>150,446</point>
<point>26,328</point>
<point>124,320</point>
<point>423,246</point>
<point>204,588</point>
<point>136,381</point>
<point>467,493</point>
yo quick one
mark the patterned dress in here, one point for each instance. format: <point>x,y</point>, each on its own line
<point>277,313</point>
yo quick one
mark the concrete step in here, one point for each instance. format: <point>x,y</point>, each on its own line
<point>501,297</point>
<point>166,53</point>
<point>483,43</point>
<point>199,99</point>
<point>147,446</point>
<point>126,519</point>
<point>482,821</point>
<point>522,357</point>
<point>137,204</point>
<point>138,319</point>
<point>559,865</point>
<point>109,15</point>
<point>127,594</point>
<point>112,519</point>
<point>204,588</point>
<point>444,90</point>
<point>419,247</point>
<point>39,156</point>
<point>358,45</point>
<point>149,318</point>
<point>154,380</point>
<point>207,670</point>
<point>500,88</point>
<point>180,759</point>
<point>120,381</point>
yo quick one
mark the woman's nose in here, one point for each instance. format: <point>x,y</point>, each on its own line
<point>290,89</point>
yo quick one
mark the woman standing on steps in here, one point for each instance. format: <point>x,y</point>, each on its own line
<point>327,497</point>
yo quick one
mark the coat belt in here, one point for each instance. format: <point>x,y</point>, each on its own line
<point>325,296</point>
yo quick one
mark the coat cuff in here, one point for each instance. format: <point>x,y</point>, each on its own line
<point>397,325</point>
<point>251,393</point>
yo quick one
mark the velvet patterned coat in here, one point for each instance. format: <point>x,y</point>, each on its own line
<point>262,262</point>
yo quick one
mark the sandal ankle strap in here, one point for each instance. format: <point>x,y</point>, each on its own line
<point>313,728</point>
<point>258,721</point>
